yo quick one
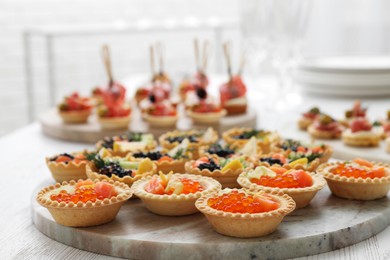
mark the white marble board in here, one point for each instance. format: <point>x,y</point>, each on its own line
<point>328,223</point>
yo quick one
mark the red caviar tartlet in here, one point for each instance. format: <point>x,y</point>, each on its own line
<point>301,185</point>
<point>358,179</point>
<point>173,194</point>
<point>243,213</point>
<point>84,203</point>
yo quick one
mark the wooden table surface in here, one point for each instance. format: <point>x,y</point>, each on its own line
<point>23,169</point>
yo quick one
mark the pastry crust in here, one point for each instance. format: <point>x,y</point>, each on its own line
<point>315,133</point>
<point>265,144</point>
<point>246,225</point>
<point>83,214</point>
<point>235,109</point>
<point>93,174</point>
<point>174,205</point>
<point>360,139</point>
<point>75,117</point>
<point>310,167</point>
<point>114,122</point>
<point>356,188</point>
<point>206,118</point>
<point>228,179</point>
<point>160,121</point>
<point>388,144</point>
<point>61,171</point>
<point>301,196</point>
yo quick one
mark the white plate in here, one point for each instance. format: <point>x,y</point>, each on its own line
<point>352,64</point>
<point>345,92</point>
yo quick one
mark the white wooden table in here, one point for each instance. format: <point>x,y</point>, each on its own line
<point>23,169</point>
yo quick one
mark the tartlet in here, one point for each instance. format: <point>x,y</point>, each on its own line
<point>308,118</point>
<point>233,96</point>
<point>295,149</point>
<point>238,137</point>
<point>246,225</point>
<point>362,134</point>
<point>160,114</point>
<point>63,169</point>
<point>129,142</point>
<point>283,160</point>
<point>167,161</point>
<point>357,188</point>
<point>75,109</point>
<point>174,204</point>
<point>206,117</point>
<point>83,214</point>
<point>197,138</point>
<point>111,169</point>
<point>325,127</point>
<point>210,166</point>
<point>302,195</point>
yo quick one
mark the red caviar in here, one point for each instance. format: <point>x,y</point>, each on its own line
<point>173,186</point>
<point>86,192</point>
<point>191,186</point>
<point>239,202</point>
<point>293,179</point>
<point>351,171</point>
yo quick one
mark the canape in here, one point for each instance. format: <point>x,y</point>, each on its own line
<point>84,203</point>
<point>75,109</point>
<point>325,127</point>
<point>206,111</point>
<point>357,179</point>
<point>361,133</point>
<point>301,185</point>
<point>173,195</point>
<point>308,118</point>
<point>233,96</point>
<point>161,114</point>
<point>66,167</point>
<point>244,214</point>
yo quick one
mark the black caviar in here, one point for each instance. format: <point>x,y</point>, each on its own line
<point>211,165</point>
<point>220,151</point>
<point>114,168</point>
<point>154,156</point>
<point>271,161</point>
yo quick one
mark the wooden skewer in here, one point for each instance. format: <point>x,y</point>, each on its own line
<point>226,48</point>
<point>160,56</point>
<point>107,64</point>
<point>152,63</point>
<point>242,64</point>
<point>196,49</point>
<point>206,54</point>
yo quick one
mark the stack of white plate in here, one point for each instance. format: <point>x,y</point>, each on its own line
<point>345,76</point>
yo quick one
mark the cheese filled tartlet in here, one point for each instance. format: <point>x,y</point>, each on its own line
<point>196,138</point>
<point>226,171</point>
<point>357,179</point>
<point>243,213</point>
<point>119,169</point>
<point>84,203</point>
<point>238,137</point>
<point>173,194</point>
<point>129,142</point>
<point>301,185</point>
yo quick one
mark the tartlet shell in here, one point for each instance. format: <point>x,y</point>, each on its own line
<point>75,117</point>
<point>114,122</point>
<point>84,214</point>
<point>246,225</point>
<point>315,133</point>
<point>301,196</point>
<point>355,188</point>
<point>61,171</point>
<point>160,121</point>
<point>304,122</point>
<point>93,174</point>
<point>174,205</point>
<point>206,118</point>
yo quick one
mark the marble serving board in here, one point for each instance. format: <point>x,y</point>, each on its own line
<point>91,132</point>
<point>328,223</point>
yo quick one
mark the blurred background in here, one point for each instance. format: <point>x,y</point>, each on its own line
<point>49,48</point>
